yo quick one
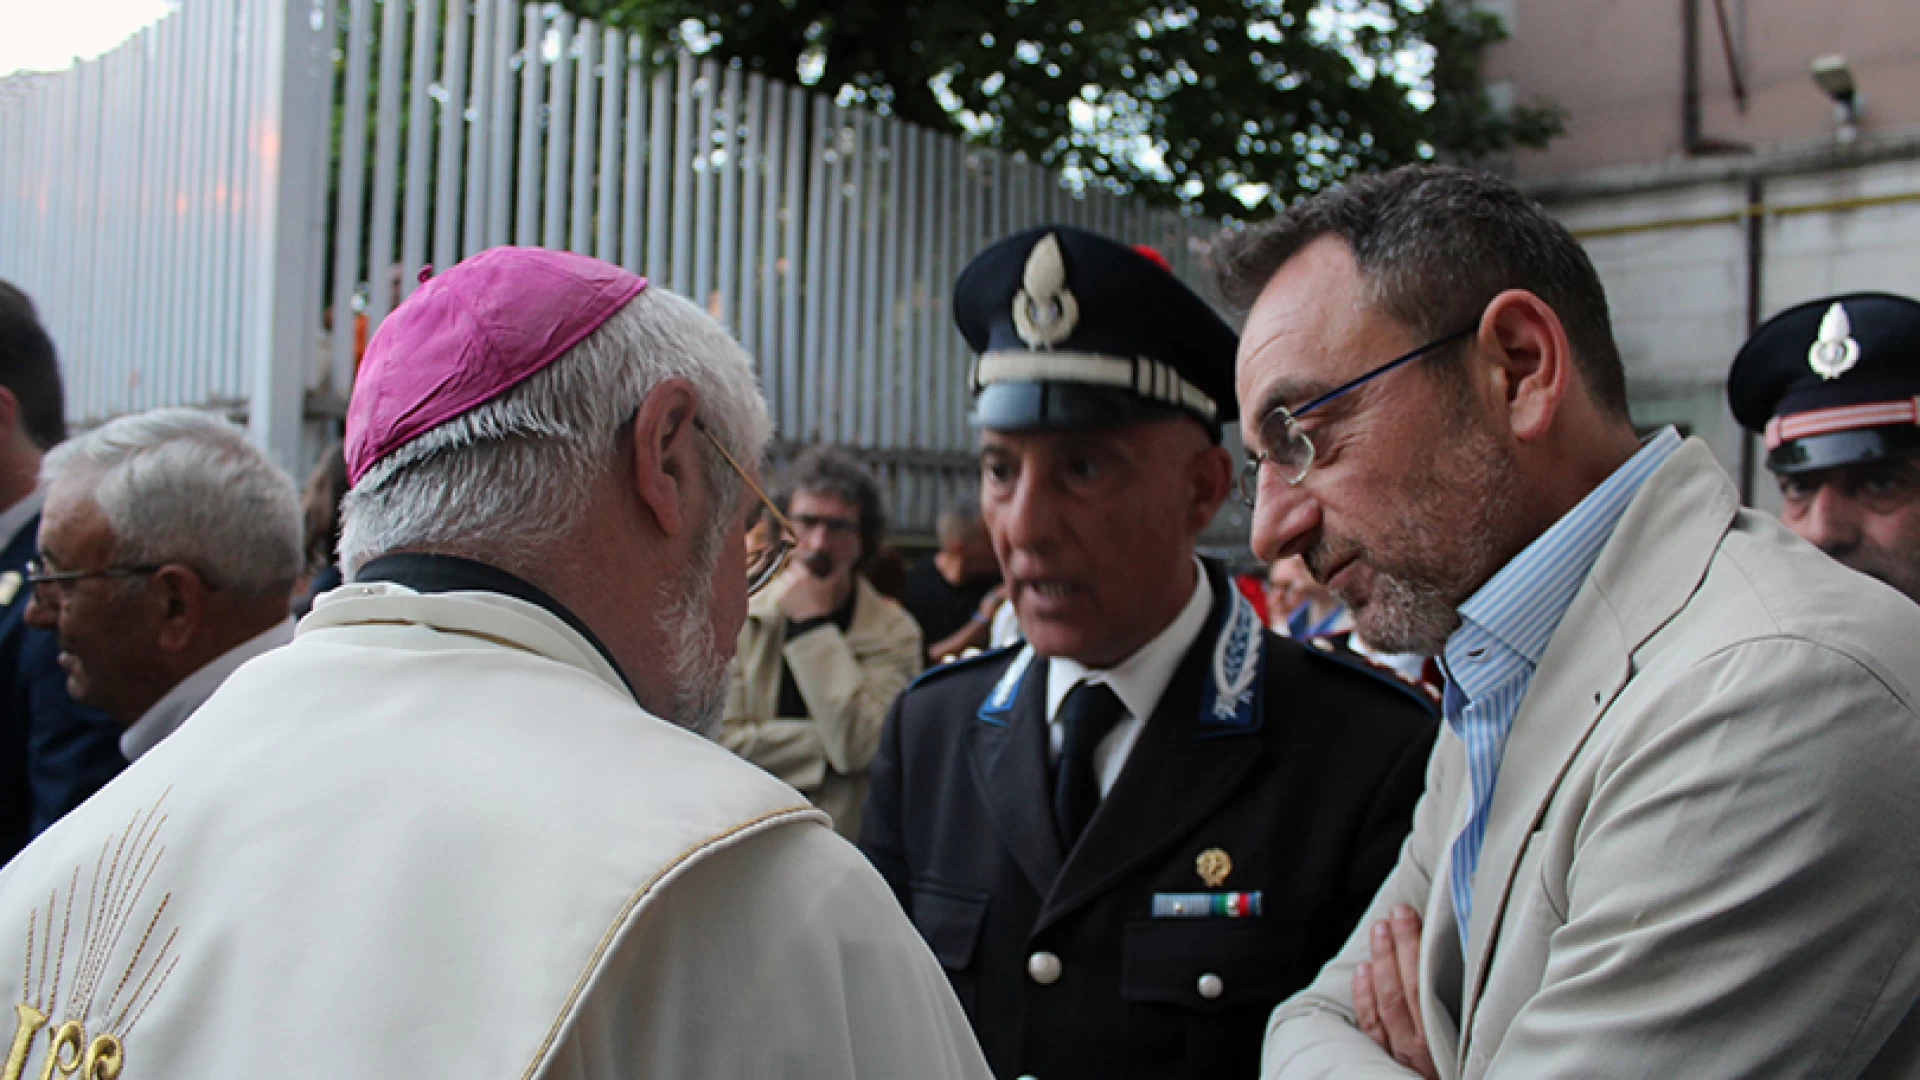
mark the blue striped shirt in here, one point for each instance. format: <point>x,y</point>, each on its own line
<point>1504,630</point>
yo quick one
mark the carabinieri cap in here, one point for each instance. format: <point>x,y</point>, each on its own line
<point>1833,381</point>
<point>1073,330</point>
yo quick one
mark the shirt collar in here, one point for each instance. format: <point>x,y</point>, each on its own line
<point>1520,607</point>
<point>15,517</point>
<point>166,715</point>
<point>1140,679</point>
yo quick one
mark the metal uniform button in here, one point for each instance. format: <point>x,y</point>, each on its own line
<point>1211,986</point>
<point>1044,968</point>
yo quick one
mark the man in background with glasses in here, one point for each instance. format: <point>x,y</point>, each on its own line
<point>53,752</point>
<point>1668,829</point>
<point>1132,835</point>
<point>459,827</point>
<point>822,653</point>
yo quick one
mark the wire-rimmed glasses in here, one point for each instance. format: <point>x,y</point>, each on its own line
<point>765,563</point>
<point>1284,443</point>
<point>51,585</point>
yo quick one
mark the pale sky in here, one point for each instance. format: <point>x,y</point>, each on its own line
<point>38,35</point>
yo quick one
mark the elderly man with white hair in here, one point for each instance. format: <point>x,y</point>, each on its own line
<point>168,546</point>
<point>459,827</point>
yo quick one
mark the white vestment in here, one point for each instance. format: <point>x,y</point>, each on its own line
<point>435,837</point>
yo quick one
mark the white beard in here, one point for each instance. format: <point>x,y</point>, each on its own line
<point>696,667</point>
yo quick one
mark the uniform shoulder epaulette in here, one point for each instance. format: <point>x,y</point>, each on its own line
<point>969,661</point>
<point>1326,651</point>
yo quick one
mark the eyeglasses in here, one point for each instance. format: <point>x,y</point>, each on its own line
<point>835,526</point>
<point>764,564</point>
<point>50,586</point>
<point>1285,444</point>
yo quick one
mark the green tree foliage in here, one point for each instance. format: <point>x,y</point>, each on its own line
<point>1231,107</point>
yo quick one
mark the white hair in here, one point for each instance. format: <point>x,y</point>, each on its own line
<point>503,478</point>
<point>180,486</point>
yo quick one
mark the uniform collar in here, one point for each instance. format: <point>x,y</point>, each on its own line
<point>1140,679</point>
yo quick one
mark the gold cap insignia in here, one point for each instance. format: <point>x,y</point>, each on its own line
<point>1044,311</point>
<point>1213,865</point>
<point>1834,352</point>
<point>10,583</point>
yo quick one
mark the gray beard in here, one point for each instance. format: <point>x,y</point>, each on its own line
<point>696,668</point>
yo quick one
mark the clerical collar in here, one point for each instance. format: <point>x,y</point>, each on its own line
<point>427,573</point>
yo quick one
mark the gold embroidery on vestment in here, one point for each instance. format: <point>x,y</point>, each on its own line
<point>122,873</point>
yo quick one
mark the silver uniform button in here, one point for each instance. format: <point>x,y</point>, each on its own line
<point>1211,986</point>
<point>1044,968</point>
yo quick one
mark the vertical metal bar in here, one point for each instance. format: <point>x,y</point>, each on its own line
<point>727,290</point>
<point>876,384</point>
<point>893,401</point>
<point>830,365</point>
<point>772,262</point>
<point>790,258</point>
<point>500,138</point>
<point>606,243</point>
<point>295,74</point>
<point>585,105</point>
<point>526,210</point>
<point>413,230</point>
<point>386,163</point>
<point>445,250</point>
<point>476,123</point>
<point>813,280</point>
<point>559,124</point>
<point>924,184</point>
<point>848,362</point>
<point>753,160</point>
<point>659,160</point>
<point>352,177</point>
<point>706,89</point>
<point>684,135</point>
<point>636,139</point>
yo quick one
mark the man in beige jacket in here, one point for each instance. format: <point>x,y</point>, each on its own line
<point>1669,830</point>
<point>822,653</point>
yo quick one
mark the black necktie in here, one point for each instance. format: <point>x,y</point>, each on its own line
<point>1086,716</point>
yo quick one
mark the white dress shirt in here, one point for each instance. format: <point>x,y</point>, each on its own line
<point>172,710</point>
<point>1138,681</point>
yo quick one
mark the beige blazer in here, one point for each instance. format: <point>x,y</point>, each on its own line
<point>847,681</point>
<point>1703,853</point>
<point>435,837</point>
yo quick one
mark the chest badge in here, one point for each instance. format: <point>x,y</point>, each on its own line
<point>1213,866</point>
<point>1834,352</point>
<point>10,583</point>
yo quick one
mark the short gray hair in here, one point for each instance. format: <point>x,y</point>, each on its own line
<point>180,486</point>
<point>960,518</point>
<point>501,479</point>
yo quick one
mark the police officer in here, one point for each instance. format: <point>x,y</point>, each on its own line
<point>1130,836</point>
<point>1834,387</point>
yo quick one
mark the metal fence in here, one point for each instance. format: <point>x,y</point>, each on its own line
<point>138,196</point>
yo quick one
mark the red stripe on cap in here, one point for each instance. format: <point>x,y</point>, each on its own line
<point>1842,418</point>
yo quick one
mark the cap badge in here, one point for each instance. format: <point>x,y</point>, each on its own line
<point>1044,311</point>
<point>1834,352</point>
<point>1213,866</point>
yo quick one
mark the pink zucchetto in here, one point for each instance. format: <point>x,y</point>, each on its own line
<point>471,334</point>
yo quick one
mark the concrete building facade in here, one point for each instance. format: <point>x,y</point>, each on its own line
<point>1713,180</point>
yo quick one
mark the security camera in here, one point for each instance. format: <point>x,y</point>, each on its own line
<point>1835,78</point>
